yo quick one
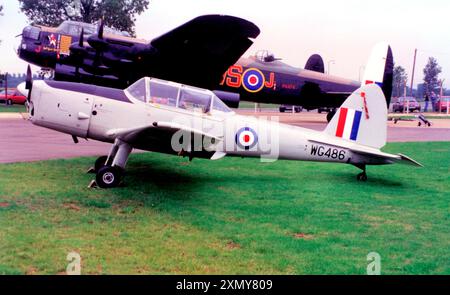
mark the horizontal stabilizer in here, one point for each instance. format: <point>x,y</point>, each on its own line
<point>407,160</point>
<point>391,158</point>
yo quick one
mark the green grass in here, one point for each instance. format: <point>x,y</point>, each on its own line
<point>233,216</point>
<point>414,117</point>
<point>16,108</point>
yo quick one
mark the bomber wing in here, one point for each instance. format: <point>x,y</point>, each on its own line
<point>196,53</point>
<point>204,48</point>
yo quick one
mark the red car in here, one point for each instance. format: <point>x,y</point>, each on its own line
<point>441,105</point>
<point>12,97</point>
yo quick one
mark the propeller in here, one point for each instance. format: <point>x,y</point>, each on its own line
<point>100,29</point>
<point>29,82</point>
<point>29,87</point>
<point>97,41</point>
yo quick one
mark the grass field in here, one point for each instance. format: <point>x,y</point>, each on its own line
<point>233,216</point>
<point>12,109</point>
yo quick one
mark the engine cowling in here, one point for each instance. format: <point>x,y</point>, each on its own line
<point>231,99</point>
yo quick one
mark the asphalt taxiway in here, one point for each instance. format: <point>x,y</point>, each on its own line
<point>21,141</point>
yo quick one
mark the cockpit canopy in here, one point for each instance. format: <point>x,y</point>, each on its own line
<point>73,28</point>
<point>265,56</point>
<point>160,92</point>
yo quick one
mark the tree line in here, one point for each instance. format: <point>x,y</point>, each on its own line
<point>431,82</point>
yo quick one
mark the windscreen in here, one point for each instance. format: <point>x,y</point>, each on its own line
<point>137,90</point>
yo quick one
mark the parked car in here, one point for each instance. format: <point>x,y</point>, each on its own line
<point>325,110</point>
<point>441,105</point>
<point>12,97</point>
<point>405,103</point>
<point>288,108</point>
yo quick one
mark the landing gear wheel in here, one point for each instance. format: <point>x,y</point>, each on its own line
<point>362,176</point>
<point>100,162</point>
<point>108,177</point>
<point>9,102</point>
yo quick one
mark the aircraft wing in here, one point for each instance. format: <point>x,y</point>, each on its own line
<point>160,134</point>
<point>204,48</point>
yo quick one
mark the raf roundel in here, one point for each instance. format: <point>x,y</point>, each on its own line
<point>246,138</point>
<point>253,80</point>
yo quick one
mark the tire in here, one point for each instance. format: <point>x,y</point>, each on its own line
<point>9,102</point>
<point>108,177</point>
<point>282,110</point>
<point>330,115</point>
<point>362,177</point>
<point>100,162</point>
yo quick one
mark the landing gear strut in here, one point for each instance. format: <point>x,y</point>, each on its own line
<point>110,169</point>
<point>363,175</point>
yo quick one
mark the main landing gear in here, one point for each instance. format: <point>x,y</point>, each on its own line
<point>331,114</point>
<point>363,175</point>
<point>109,169</point>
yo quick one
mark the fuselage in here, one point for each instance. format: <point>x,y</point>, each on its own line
<point>101,114</point>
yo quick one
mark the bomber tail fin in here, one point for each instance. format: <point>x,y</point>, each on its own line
<point>379,69</point>
<point>315,63</point>
<point>362,118</point>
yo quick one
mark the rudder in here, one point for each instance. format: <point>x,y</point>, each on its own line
<point>379,69</point>
<point>362,118</point>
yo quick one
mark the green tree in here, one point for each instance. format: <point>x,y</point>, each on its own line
<point>117,14</point>
<point>399,80</point>
<point>431,76</point>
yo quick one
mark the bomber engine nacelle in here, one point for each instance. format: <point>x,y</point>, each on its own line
<point>231,99</point>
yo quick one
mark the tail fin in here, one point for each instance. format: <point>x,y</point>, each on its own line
<point>380,68</point>
<point>315,63</point>
<point>362,118</point>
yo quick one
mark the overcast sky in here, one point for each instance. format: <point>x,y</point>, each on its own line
<point>342,31</point>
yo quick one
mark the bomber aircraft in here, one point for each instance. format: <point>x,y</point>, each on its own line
<point>168,117</point>
<point>204,52</point>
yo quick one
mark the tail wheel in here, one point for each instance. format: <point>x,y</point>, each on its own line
<point>362,176</point>
<point>108,177</point>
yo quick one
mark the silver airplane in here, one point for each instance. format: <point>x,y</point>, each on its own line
<point>167,117</point>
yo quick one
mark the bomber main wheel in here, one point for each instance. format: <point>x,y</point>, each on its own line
<point>330,115</point>
<point>100,162</point>
<point>108,177</point>
<point>362,176</point>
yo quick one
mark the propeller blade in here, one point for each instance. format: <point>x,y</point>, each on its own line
<point>29,83</point>
<point>100,29</point>
<point>81,41</point>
